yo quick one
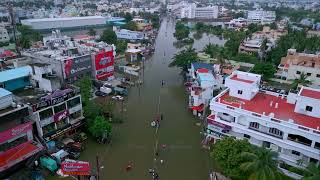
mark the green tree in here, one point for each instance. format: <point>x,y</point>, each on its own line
<point>121,46</point>
<point>85,86</point>
<point>302,80</point>
<point>226,152</point>
<point>314,171</point>
<point>109,36</point>
<point>91,111</point>
<point>100,126</point>
<point>260,164</point>
<point>273,25</point>
<point>181,31</point>
<point>184,58</point>
<point>131,26</point>
<point>128,17</point>
<point>92,32</point>
<point>25,42</point>
<point>267,70</point>
<point>32,34</point>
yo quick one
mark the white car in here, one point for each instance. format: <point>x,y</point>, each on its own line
<point>118,97</point>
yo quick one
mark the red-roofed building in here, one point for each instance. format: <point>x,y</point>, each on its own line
<point>286,123</point>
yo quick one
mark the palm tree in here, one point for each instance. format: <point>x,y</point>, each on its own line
<point>261,165</point>
<point>314,171</point>
<point>302,80</point>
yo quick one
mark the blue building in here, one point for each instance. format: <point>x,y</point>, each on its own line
<point>14,79</point>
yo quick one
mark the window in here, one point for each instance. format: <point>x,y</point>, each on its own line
<point>275,131</point>
<point>239,91</point>
<point>59,108</point>
<point>295,153</point>
<point>318,75</point>
<point>62,123</point>
<point>309,108</point>
<point>73,102</point>
<point>246,136</point>
<point>315,161</point>
<point>48,128</point>
<point>317,145</point>
<point>46,114</point>
<point>266,144</point>
<point>298,72</point>
<point>226,114</point>
<point>254,125</point>
<point>308,74</point>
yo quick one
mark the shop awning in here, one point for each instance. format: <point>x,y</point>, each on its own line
<point>198,108</point>
<point>18,154</point>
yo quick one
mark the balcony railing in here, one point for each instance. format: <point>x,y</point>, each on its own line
<point>297,141</point>
<point>264,132</point>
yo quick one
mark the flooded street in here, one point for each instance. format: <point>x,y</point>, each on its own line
<point>135,139</point>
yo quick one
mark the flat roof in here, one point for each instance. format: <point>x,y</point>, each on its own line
<point>4,92</point>
<point>236,78</point>
<point>61,19</point>
<point>310,93</point>
<point>206,77</point>
<point>15,73</point>
<point>261,103</point>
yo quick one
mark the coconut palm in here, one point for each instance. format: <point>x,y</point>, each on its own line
<point>302,80</point>
<point>260,165</point>
<point>314,172</point>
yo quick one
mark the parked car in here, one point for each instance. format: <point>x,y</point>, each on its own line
<point>118,97</point>
<point>70,143</point>
<point>73,154</point>
<point>81,137</point>
<point>100,93</point>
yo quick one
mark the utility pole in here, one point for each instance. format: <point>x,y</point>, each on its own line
<point>13,24</point>
<point>98,167</point>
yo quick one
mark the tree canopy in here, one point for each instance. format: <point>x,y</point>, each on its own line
<point>100,126</point>
<point>131,26</point>
<point>92,32</point>
<point>302,80</point>
<point>184,58</point>
<point>267,70</point>
<point>314,171</point>
<point>109,36</point>
<point>181,31</point>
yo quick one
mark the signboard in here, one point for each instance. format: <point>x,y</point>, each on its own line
<point>75,168</point>
<point>77,66</point>
<point>104,64</point>
<point>61,115</point>
<point>16,131</point>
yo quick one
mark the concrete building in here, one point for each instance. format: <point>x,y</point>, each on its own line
<point>294,64</point>
<point>17,142</point>
<point>65,22</point>
<point>14,79</point>
<point>285,123</point>
<point>191,11</point>
<point>261,16</point>
<point>57,113</point>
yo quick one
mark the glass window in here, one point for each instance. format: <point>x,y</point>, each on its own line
<point>75,115</point>
<point>48,128</point>
<point>73,102</point>
<point>309,108</point>
<point>247,136</point>
<point>254,125</point>
<point>318,75</point>
<point>308,74</point>
<point>239,91</point>
<point>46,114</point>
<point>59,108</point>
<point>298,72</point>
<point>295,153</point>
<point>275,131</point>
<point>62,123</point>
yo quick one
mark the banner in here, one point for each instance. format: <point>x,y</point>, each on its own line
<point>16,131</point>
<point>61,115</point>
<point>75,168</point>
<point>104,64</point>
<point>74,67</point>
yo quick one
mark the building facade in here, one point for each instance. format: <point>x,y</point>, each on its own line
<point>295,64</point>
<point>191,11</point>
<point>17,142</point>
<point>261,16</point>
<point>284,123</point>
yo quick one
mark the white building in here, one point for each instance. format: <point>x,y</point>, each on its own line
<point>191,11</point>
<point>288,124</point>
<point>294,64</point>
<point>202,83</point>
<point>130,35</point>
<point>261,16</point>
<point>66,22</point>
<point>4,36</point>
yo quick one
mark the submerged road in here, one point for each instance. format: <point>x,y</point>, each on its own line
<point>135,140</point>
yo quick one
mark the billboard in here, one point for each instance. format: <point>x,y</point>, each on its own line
<point>80,168</point>
<point>104,64</point>
<point>16,131</point>
<point>74,67</point>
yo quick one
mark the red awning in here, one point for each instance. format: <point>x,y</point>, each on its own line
<point>203,70</point>
<point>198,108</point>
<point>17,154</point>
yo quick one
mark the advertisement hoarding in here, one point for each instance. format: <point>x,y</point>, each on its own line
<point>75,168</point>
<point>104,64</point>
<point>16,131</point>
<point>77,66</point>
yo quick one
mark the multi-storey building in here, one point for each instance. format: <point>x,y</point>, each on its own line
<point>191,11</point>
<point>57,113</point>
<point>261,16</point>
<point>294,64</point>
<point>17,142</point>
<point>4,36</point>
<point>286,123</point>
